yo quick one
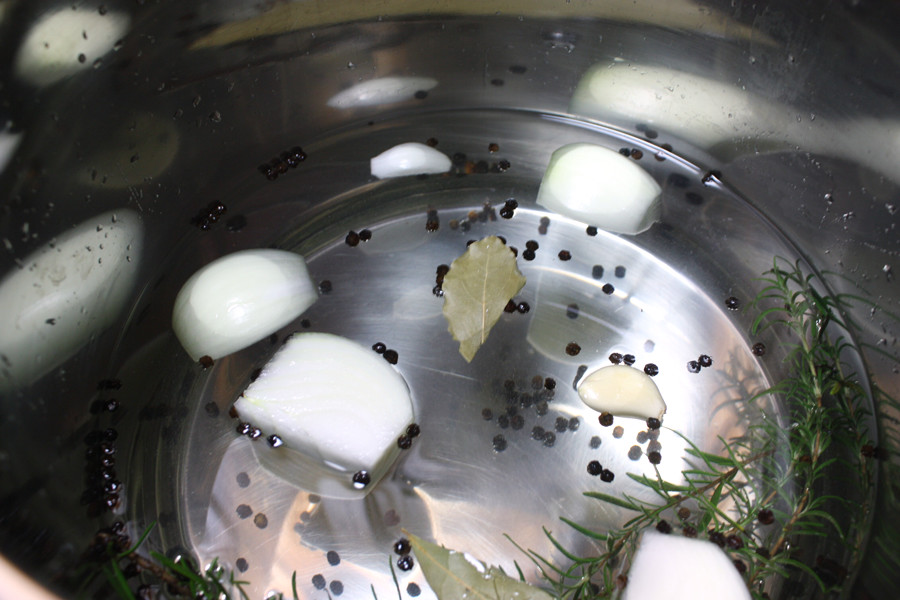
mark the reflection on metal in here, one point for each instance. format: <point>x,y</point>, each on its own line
<point>67,41</point>
<point>65,294</point>
<point>293,16</point>
<point>383,90</point>
<point>139,148</point>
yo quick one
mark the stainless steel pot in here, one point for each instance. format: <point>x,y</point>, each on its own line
<point>122,119</point>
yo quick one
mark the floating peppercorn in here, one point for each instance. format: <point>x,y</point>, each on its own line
<point>564,255</point>
<point>506,212</point>
<point>402,547</point>
<point>550,383</point>
<point>608,288</point>
<point>620,271</point>
<point>413,430</point>
<point>693,366</point>
<point>572,349</point>
<point>499,443</point>
<point>704,361</point>
<point>654,457</point>
<point>352,239</point>
<point>607,476</point>
<point>684,513</point>
<point>734,542</point>
<point>591,230</point>
<point>275,441</point>
<point>523,307</point>
<point>572,311</point>
<point>517,422</point>
<point>361,479</point>
<point>318,582</point>
<point>405,563</point>
<point>618,431</point>
<point>379,347</point>
<point>606,419</point>
<point>651,369</point>
<point>732,303</point>
<point>635,452</point>
<point>595,442</point>
<point>365,235</point>
<point>740,566</point>
<point>243,428</point>
<point>561,424</point>
<point>615,358</point>
<point>653,423</point>
<point>255,433</point>
<point>503,421</point>
<point>594,468</point>
<point>717,538</point>
<point>528,254</point>
<point>487,414</point>
<point>574,424</point>
<point>597,272</point>
<point>404,442</point>
<point>663,526</point>
<point>510,307</point>
<point>766,516</point>
<point>689,531</point>
<point>325,286</point>
<point>538,433</point>
<point>206,361</point>
<point>629,359</point>
<point>391,356</point>
<point>413,590</point>
<point>549,439</point>
<point>758,349</point>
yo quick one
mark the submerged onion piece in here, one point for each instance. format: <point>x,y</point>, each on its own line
<point>337,406</point>
<point>671,567</point>
<point>622,391</point>
<point>411,158</point>
<point>239,299</point>
<point>600,187</point>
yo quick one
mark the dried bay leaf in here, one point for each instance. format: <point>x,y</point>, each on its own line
<point>451,576</point>
<point>476,289</point>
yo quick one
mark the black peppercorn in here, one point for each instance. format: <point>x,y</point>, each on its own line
<point>594,468</point>
<point>564,255</point>
<point>499,443</point>
<point>766,516</point>
<point>413,430</point>
<point>523,307</point>
<point>608,288</point>
<point>732,303</point>
<point>591,230</point>
<point>758,349</point>
<point>402,546</point>
<point>629,359</point>
<point>606,419</point>
<point>595,442</point>
<point>325,287</point>
<point>506,212</point>
<point>572,349</point>
<point>528,254</point>
<point>561,424</point>
<point>704,361</point>
<point>689,531</point>
<point>517,422</point>
<point>549,439</point>
<point>717,538</point>
<point>379,347</point>
<point>651,369</point>
<point>734,542</point>
<point>607,475</point>
<point>405,563</point>
<point>654,457</point>
<point>361,479</point>
<point>538,433</point>
<point>275,441</point>
<point>597,272</point>
<point>693,366</point>
<point>663,526</point>
<point>391,356</point>
<point>404,442</point>
<point>503,421</point>
<point>653,423</point>
<point>550,383</point>
<point>352,239</point>
<point>615,358</point>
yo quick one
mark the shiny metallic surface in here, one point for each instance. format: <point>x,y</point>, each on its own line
<point>123,121</point>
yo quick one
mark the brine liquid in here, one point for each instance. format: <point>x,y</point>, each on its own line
<point>481,468</point>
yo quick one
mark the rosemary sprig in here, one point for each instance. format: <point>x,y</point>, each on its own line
<point>768,497</point>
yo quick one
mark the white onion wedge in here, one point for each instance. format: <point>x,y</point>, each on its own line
<point>411,158</point>
<point>333,401</point>
<point>622,391</point>
<point>239,299</point>
<point>671,567</point>
<point>600,187</point>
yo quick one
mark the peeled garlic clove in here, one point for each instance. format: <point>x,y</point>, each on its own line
<point>600,187</point>
<point>411,158</point>
<point>239,299</point>
<point>338,408</point>
<point>622,391</point>
<point>671,567</point>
